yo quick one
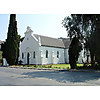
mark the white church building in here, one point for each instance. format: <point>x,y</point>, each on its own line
<point>38,49</point>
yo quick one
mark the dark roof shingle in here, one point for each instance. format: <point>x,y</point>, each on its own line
<point>66,42</point>
<point>53,42</point>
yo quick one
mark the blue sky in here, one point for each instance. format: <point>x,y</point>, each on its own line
<point>43,24</point>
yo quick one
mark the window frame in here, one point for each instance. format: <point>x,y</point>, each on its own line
<point>34,54</point>
<point>46,54</point>
<point>57,54</point>
<point>22,55</point>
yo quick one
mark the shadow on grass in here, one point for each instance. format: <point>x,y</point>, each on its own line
<point>63,76</point>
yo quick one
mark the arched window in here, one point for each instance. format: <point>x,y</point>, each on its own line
<point>22,55</point>
<point>46,53</point>
<point>57,54</point>
<point>34,54</point>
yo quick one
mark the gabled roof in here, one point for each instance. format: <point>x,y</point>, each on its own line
<point>53,42</point>
<point>66,42</point>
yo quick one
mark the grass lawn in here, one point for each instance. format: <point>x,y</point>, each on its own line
<point>54,66</point>
<point>79,65</point>
<point>61,66</point>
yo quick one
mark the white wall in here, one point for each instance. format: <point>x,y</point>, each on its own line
<point>84,58</point>
<point>52,55</point>
<point>66,55</point>
<point>81,58</point>
<point>29,44</point>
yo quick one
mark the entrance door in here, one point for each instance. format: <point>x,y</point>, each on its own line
<point>28,58</point>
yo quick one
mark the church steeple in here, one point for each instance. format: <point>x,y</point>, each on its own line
<point>29,30</point>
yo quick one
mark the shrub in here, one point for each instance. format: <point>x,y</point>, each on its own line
<point>20,62</point>
<point>43,66</point>
<point>35,66</point>
<point>1,61</point>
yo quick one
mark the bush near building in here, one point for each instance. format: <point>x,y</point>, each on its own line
<point>0,57</point>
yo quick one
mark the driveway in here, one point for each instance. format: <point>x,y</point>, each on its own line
<point>31,77</point>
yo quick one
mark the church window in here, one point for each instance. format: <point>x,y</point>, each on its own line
<point>34,54</point>
<point>22,55</point>
<point>46,53</point>
<point>57,54</point>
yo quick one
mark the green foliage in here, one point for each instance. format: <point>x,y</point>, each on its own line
<point>22,39</point>
<point>10,50</point>
<point>87,28</point>
<point>53,66</point>
<point>74,27</point>
<point>97,42</point>
<point>20,62</point>
<point>10,47</point>
<point>93,39</point>
<point>61,66</point>
<point>74,50</point>
<point>1,60</point>
<point>0,54</point>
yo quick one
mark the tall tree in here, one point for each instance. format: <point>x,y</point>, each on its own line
<point>10,47</point>
<point>74,27</point>
<point>74,49</point>
<point>97,41</point>
<point>92,21</point>
<point>86,27</point>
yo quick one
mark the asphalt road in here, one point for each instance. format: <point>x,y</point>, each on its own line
<point>31,77</point>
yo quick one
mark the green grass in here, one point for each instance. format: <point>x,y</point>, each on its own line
<point>80,65</point>
<point>0,52</point>
<point>54,66</point>
<point>61,66</point>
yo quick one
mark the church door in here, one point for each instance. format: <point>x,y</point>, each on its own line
<point>28,58</point>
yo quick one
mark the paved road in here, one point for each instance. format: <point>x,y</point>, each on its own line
<point>31,77</point>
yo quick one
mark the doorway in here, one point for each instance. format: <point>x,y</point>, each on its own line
<point>28,58</point>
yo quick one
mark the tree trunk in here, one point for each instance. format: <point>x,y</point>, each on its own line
<point>92,60</point>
